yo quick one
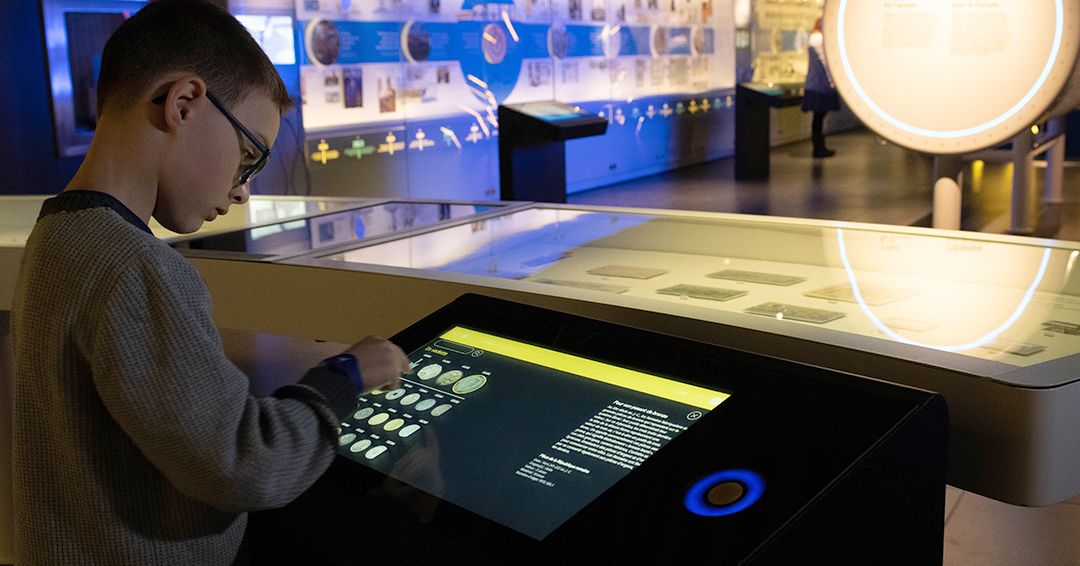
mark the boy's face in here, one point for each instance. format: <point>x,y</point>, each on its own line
<point>200,181</point>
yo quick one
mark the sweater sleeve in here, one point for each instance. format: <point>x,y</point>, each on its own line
<point>160,369</point>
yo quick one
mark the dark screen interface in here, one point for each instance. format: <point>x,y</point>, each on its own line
<point>522,435</point>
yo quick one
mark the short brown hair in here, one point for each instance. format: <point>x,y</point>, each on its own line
<point>193,36</point>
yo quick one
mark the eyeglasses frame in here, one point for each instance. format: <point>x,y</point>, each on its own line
<point>252,170</point>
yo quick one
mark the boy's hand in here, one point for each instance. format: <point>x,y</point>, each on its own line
<point>380,361</point>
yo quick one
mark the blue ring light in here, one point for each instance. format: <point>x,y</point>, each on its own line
<point>696,503</point>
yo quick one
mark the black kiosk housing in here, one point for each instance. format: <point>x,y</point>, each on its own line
<point>792,465</point>
<point>753,102</point>
<point>532,147</point>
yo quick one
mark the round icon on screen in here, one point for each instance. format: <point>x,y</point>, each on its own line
<point>429,371</point>
<point>470,384</point>
<point>450,377</point>
<point>425,404</point>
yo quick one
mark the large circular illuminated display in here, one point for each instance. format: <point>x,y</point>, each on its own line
<point>948,77</point>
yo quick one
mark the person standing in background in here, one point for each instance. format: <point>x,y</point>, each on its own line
<point>820,95</point>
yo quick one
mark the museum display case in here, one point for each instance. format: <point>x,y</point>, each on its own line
<point>19,213</point>
<point>966,297</point>
<point>279,239</point>
<point>991,322</point>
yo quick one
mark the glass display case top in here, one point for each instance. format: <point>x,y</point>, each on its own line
<point>305,234</point>
<point>999,298</point>
<point>262,210</point>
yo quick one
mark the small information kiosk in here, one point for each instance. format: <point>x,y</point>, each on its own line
<point>529,436</point>
<point>532,152</point>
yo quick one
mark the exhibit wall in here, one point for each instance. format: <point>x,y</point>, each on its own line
<point>400,97</point>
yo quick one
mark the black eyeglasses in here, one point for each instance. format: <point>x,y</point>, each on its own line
<point>250,171</point>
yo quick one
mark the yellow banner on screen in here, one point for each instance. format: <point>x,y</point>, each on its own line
<point>591,369</point>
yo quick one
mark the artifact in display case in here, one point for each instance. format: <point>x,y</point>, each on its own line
<point>990,321</point>
<point>590,436</point>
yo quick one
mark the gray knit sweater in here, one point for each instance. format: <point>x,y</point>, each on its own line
<point>135,439</point>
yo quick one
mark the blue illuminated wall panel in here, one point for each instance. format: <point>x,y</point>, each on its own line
<point>400,97</point>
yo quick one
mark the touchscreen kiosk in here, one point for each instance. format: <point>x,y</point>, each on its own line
<point>532,148</point>
<point>522,436</point>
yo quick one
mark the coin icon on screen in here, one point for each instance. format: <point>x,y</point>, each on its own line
<point>346,439</point>
<point>449,377</point>
<point>470,384</point>
<point>429,371</point>
<point>425,404</point>
<point>441,409</point>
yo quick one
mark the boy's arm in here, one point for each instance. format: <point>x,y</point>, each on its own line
<point>160,369</point>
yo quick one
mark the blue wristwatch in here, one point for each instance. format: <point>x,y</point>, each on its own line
<point>346,364</point>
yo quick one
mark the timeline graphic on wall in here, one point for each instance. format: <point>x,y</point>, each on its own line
<point>431,74</point>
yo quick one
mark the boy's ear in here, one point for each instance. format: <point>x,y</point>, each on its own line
<point>180,100</point>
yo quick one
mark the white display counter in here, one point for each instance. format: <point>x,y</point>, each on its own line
<point>992,322</point>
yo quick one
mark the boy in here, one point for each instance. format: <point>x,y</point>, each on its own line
<point>135,439</point>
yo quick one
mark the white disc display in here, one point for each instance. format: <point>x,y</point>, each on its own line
<point>952,77</point>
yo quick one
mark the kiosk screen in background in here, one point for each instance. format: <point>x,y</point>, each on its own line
<point>523,435</point>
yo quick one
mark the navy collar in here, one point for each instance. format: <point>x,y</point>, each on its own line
<point>70,201</point>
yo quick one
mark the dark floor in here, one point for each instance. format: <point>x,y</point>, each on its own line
<point>867,181</point>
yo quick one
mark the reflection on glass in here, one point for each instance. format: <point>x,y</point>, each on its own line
<point>260,210</point>
<point>318,232</point>
<point>986,339</point>
<point>990,297</point>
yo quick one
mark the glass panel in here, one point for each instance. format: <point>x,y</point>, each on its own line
<point>318,232</point>
<point>262,210</point>
<point>993,298</point>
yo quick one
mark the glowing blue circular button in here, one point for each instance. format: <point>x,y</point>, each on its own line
<point>696,497</point>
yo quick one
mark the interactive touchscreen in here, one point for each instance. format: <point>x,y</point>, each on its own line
<point>523,435</point>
